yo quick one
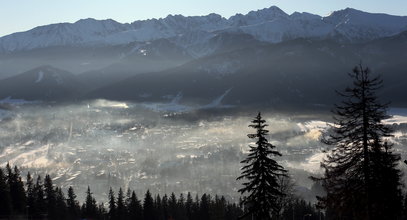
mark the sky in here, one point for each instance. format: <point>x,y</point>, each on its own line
<point>22,15</point>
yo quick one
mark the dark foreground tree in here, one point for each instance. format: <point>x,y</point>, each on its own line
<point>17,191</point>
<point>40,206</point>
<point>72,205</point>
<point>30,195</point>
<point>5,199</point>
<point>112,204</point>
<point>89,208</point>
<point>60,206</point>
<point>50,197</point>
<point>148,205</point>
<point>121,206</point>
<point>261,172</point>
<point>361,178</point>
<point>135,209</point>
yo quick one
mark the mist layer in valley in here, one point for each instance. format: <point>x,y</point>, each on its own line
<point>103,143</point>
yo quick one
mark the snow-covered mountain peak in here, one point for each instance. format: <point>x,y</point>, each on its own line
<point>259,16</point>
<point>357,17</point>
<point>209,22</point>
<point>86,20</point>
<point>215,17</point>
<point>304,16</point>
<point>268,13</point>
<point>92,21</point>
<point>269,24</point>
<point>356,25</point>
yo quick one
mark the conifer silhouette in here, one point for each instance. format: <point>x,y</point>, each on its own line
<point>361,178</point>
<point>261,173</point>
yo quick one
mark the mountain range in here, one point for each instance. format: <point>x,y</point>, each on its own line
<point>266,56</point>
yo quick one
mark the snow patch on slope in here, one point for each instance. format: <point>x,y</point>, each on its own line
<point>11,101</point>
<point>222,68</point>
<point>217,103</point>
<point>40,77</point>
<point>36,157</point>
<point>311,164</point>
<point>399,116</point>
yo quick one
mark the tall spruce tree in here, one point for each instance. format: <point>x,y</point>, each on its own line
<point>60,206</point>
<point>30,195</point>
<point>173,206</point>
<point>219,207</point>
<point>189,206</point>
<point>121,206</point>
<point>17,191</point>
<point>204,207</point>
<point>40,207</point>
<point>160,208</point>
<point>165,207</point>
<point>361,178</point>
<point>148,206</point>
<point>112,205</point>
<point>261,173</point>
<point>89,208</point>
<point>50,197</point>
<point>182,214</point>
<point>134,207</point>
<point>127,200</point>
<point>5,200</point>
<point>72,205</point>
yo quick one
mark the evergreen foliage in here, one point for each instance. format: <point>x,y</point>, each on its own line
<point>72,205</point>
<point>89,208</point>
<point>60,204</point>
<point>30,194</point>
<point>40,208</point>
<point>17,191</point>
<point>50,197</point>
<point>361,179</point>
<point>5,201</point>
<point>204,207</point>
<point>298,209</point>
<point>135,209</point>
<point>181,211</point>
<point>112,204</point>
<point>189,206</point>
<point>172,207</point>
<point>148,205</point>
<point>161,207</point>
<point>261,173</point>
<point>121,206</point>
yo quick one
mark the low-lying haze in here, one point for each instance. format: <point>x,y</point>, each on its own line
<point>104,143</point>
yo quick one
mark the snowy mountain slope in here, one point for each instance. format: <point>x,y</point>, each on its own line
<point>139,58</point>
<point>73,59</point>
<point>44,83</point>
<point>269,24</point>
<point>91,32</point>
<point>355,25</point>
<point>297,72</point>
<point>86,31</point>
<point>282,29</point>
<point>257,17</point>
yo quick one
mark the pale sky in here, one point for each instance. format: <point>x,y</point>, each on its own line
<point>22,15</point>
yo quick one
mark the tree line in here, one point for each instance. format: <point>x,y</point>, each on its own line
<point>41,199</point>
